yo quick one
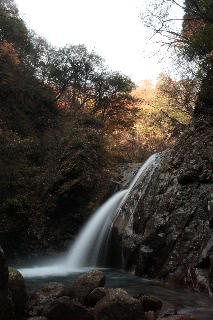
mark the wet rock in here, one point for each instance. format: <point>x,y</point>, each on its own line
<point>96,295</point>
<point>51,290</point>
<point>150,303</point>
<point>6,305</point>
<point>46,294</point>
<point>168,309</point>
<point>169,236</point>
<point>178,317</point>
<point>81,288</point>
<point>18,292</point>
<point>117,304</point>
<point>150,315</point>
<point>37,318</point>
<point>66,308</point>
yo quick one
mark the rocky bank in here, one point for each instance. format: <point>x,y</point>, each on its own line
<point>84,299</point>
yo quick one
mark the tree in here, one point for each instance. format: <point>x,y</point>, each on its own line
<point>114,103</point>
<point>9,7</point>
<point>179,95</point>
<point>13,29</point>
<point>193,42</point>
<point>71,70</point>
<point>82,82</point>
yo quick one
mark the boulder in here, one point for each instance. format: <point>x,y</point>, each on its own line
<point>96,295</point>
<point>81,288</point>
<point>66,308</point>
<point>6,305</point>
<point>50,290</point>
<point>18,292</point>
<point>45,294</point>
<point>118,305</point>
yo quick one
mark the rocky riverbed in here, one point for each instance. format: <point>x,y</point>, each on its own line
<point>86,298</point>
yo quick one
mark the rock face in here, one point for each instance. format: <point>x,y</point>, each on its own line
<point>6,305</point>
<point>18,292</point>
<point>170,234</point>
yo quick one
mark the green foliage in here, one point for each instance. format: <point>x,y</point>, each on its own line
<point>14,31</point>
<point>72,68</point>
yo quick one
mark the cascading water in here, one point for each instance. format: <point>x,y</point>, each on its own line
<point>85,251</point>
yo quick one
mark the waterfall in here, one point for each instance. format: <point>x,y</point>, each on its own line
<point>85,251</point>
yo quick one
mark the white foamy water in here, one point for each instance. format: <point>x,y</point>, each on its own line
<point>84,253</point>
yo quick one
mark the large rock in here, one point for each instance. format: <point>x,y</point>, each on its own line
<point>18,292</point>
<point>81,288</point>
<point>6,305</point>
<point>170,234</point>
<point>45,294</point>
<point>96,295</point>
<point>118,305</point>
<point>51,289</point>
<point>66,308</point>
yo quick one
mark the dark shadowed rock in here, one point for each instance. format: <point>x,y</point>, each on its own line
<point>46,294</point>
<point>81,288</point>
<point>168,309</point>
<point>6,305</point>
<point>170,236</point>
<point>150,303</point>
<point>51,289</point>
<point>178,317</point>
<point>118,305</point>
<point>150,315</point>
<point>18,292</point>
<point>96,295</point>
<point>37,318</point>
<point>67,309</point>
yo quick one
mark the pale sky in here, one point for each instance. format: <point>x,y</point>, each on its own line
<point>111,27</point>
